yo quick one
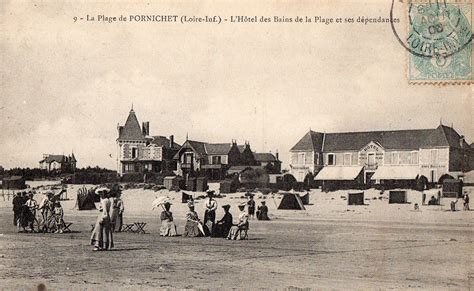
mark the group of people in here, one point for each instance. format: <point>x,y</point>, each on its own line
<point>25,208</point>
<point>224,228</point>
<point>109,220</point>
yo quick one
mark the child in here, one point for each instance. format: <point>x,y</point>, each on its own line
<point>58,216</point>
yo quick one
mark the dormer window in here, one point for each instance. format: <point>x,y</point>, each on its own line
<point>331,159</point>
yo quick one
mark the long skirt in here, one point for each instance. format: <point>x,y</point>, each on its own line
<point>234,232</point>
<point>191,229</point>
<point>102,234</point>
<point>220,230</point>
<point>118,223</point>
<point>168,228</point>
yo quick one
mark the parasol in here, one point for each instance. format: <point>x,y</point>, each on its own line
<point>160,201</point>
<point>101,189</point>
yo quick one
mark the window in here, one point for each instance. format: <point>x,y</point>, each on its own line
<point>394,158</point>
<point>434,156</point>
<point>300,158</point>
<point>371,159</point>
<point>188,158</point>
<point>331,159</point>
<point>347,159</point>
<point>134,153</point>
<point>216,160</point>
<point>316,158</point>
<point>414,158</point>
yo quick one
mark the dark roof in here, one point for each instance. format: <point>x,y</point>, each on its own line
<point>453,138</point>
<point>311,141</point>
<point>163,141</point>
<point>54,158</point>
<point>131,130</point>
<point>442,136</point>
<point>265,157</point>
<point>217,148</point>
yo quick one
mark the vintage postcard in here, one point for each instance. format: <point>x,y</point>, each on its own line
<point>247,145</point>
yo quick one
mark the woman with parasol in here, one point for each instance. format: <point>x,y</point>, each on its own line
<point>168,228</point>
<point>101,237</point>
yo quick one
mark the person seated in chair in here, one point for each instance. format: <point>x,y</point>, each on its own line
<point>193,227</point>
<point>242,225</point>
<point>262,212</point>
<point>168,228</point>
<point>433,201</point>
<point>222,227</point>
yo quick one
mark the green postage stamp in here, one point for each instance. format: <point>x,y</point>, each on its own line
<point>439,41</point>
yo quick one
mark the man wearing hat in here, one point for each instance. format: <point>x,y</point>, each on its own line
<point>223,226</point>
<point>32,206</point>
<point>210,205</point>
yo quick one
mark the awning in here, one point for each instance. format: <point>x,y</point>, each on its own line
<point>396,173</point>
<point>338,173</point>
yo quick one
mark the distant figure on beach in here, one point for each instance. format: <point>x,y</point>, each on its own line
<point>121,209</point>
<point>423,200</point>
<point>453,204</point>
<point>433,201</point>
<point>168,228</point>
<point>251,207</point>
<point>262,212</point>
<point>439,197</point>
<point>193,227</point>
<point>210,205</point>
<point>17,203</point>
<point>32,207</point>
<point>58,217</point>
<point>223,226</point>
<point>417,207</point>
<point>46,208</point>
<point>101,237</point>
<point>242,225</point>
<point>466,202</point>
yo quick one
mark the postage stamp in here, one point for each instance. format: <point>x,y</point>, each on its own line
<point>439,41</point>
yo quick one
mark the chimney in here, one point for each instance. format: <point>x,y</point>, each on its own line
<point>171,141</point>
<point>120,129</point>
<point>146,128</point>
<point>461,141</point>
<point>277,156</point>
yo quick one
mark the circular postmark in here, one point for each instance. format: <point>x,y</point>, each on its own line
<point>437,30</point>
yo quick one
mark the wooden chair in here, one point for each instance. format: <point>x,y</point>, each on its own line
<point>244,232</point>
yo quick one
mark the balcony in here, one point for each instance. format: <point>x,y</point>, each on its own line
<point>186,166</point>
<point>371,166</point>
<point>213,166</point>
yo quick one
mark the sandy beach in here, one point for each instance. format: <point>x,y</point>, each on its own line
<point>328,245</point>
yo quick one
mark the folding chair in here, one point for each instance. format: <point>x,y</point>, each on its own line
<point>140,227</point>
<point>244,233</point>
<point>128,227</point>
<point>67,226</point>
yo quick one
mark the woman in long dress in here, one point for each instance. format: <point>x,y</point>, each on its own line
<point>168,228</point>
<point>222,227</point>
<point>243,224</point>
<point>101,237</point>
<point>193,224</point>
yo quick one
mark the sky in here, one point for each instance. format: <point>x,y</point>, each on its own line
<point>65,86</point>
